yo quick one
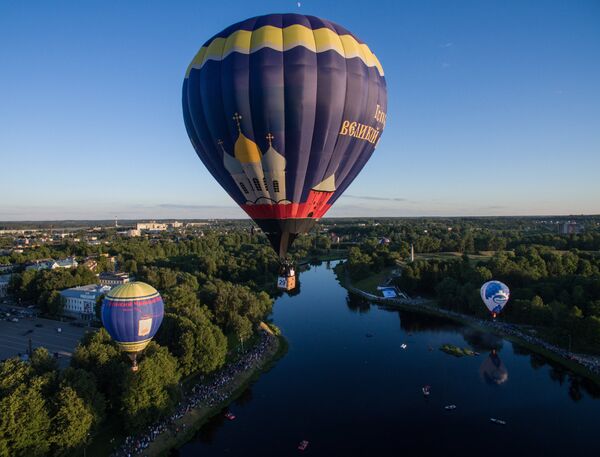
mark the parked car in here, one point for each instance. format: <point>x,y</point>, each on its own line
<point>59,330</point>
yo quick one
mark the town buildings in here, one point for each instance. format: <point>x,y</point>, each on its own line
<point>50,264</point>
<point>113,279</point>
<point>80,302</point>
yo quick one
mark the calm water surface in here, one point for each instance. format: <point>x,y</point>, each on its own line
<point>348,387</point>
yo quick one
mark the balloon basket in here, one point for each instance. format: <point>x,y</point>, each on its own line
<point>134,364</point>
<point>287,278</point>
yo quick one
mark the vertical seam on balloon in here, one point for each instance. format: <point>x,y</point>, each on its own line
<point>311,152</point>
<point>305,170</point>
<point>264,180</point>
<point>213,162</point>
<point>342,119</point>
<point>250,124</point>
<point>288,188</point>
<point>366,145</point>
<point>327,168</point>
<point>225,120</point>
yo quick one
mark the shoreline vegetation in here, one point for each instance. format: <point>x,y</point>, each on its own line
<point>582,364</point>
<point>456,351</point>
<point>183,428</point>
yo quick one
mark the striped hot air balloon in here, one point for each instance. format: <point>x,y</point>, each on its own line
<point>132,314</point>
<point>284,110</point>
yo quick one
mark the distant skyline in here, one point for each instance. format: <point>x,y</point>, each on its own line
<point>494,108</point>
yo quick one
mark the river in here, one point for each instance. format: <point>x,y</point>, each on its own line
<point>347,386</point>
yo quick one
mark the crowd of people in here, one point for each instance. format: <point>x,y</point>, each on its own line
<point>209,392</point>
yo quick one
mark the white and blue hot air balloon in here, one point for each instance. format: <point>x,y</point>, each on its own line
<point>495,294</point>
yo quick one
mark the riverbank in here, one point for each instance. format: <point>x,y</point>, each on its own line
<point>206,399</point>
<point>583,364</point>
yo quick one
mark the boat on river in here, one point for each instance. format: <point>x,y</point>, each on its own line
<point>497,421</point>
<point>426,390</point>
<point>403,346</point>
<point>449,407</point>
<point>303,445</point>
<point>230,416</point>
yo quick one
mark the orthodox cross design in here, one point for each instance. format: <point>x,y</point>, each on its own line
<point>270,139</point>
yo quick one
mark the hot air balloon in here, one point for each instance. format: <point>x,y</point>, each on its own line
<point>284,110</point>
<point>495,294</point>
<point>132,314</point>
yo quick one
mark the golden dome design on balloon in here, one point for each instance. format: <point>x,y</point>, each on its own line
<point>245,150</point>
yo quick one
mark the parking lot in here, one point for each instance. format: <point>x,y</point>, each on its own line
<point>14,337</point>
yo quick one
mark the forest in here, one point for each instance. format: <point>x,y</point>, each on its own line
<point>554,279</point>
<point>218,285</point>
<point>214,293</point>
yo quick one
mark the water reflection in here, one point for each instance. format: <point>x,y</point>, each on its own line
<point>482,342</point>
<point>492,370</point>
<point>357,304</point>
<point>412,322</point>
<point>578,385</point>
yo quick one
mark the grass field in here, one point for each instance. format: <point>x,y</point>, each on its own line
<point>370,283</point>
<point>473,258</point>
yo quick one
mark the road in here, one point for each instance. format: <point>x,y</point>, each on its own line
<point>14,337</point>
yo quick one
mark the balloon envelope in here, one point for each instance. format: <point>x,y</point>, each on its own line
<point>132,314</point>
<point>284,110</point>
<point>495,294</point>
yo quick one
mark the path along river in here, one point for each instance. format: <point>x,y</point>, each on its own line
<point>347,386</point>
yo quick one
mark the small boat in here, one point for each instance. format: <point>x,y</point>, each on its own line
<point>475,353</point>
<point>230,416</point>
<point>449,407</point>
<point>303,445</point>
<point>403,346</point>
<point>426,390</point>
<point>497,421</point>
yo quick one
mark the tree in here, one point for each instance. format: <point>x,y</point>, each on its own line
<point>24,421</point>
<point>55,304</point>
<point>242,327</point>
<point>72,422</point>
<point>84,384</point>
<point>151,392</point>
<point>98,354</point>
<point>228,300</point>
<point>194,339</point>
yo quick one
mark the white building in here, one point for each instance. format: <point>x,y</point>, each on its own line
<point>50,264</point>
<point>113,279</point>
<point>152,226</point>
<point>80,302</point>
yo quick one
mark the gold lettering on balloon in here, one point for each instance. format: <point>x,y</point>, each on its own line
<point>363,131</point>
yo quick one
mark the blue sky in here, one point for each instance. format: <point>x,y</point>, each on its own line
<point>494,107</point>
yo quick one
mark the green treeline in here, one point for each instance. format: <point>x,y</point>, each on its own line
<point>554,279</point>
<point>212,287</point>
<point>557,291</point>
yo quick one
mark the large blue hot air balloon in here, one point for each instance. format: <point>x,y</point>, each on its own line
<point>132,314</point>
<point>284,110</point>
<point>495,295</point>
